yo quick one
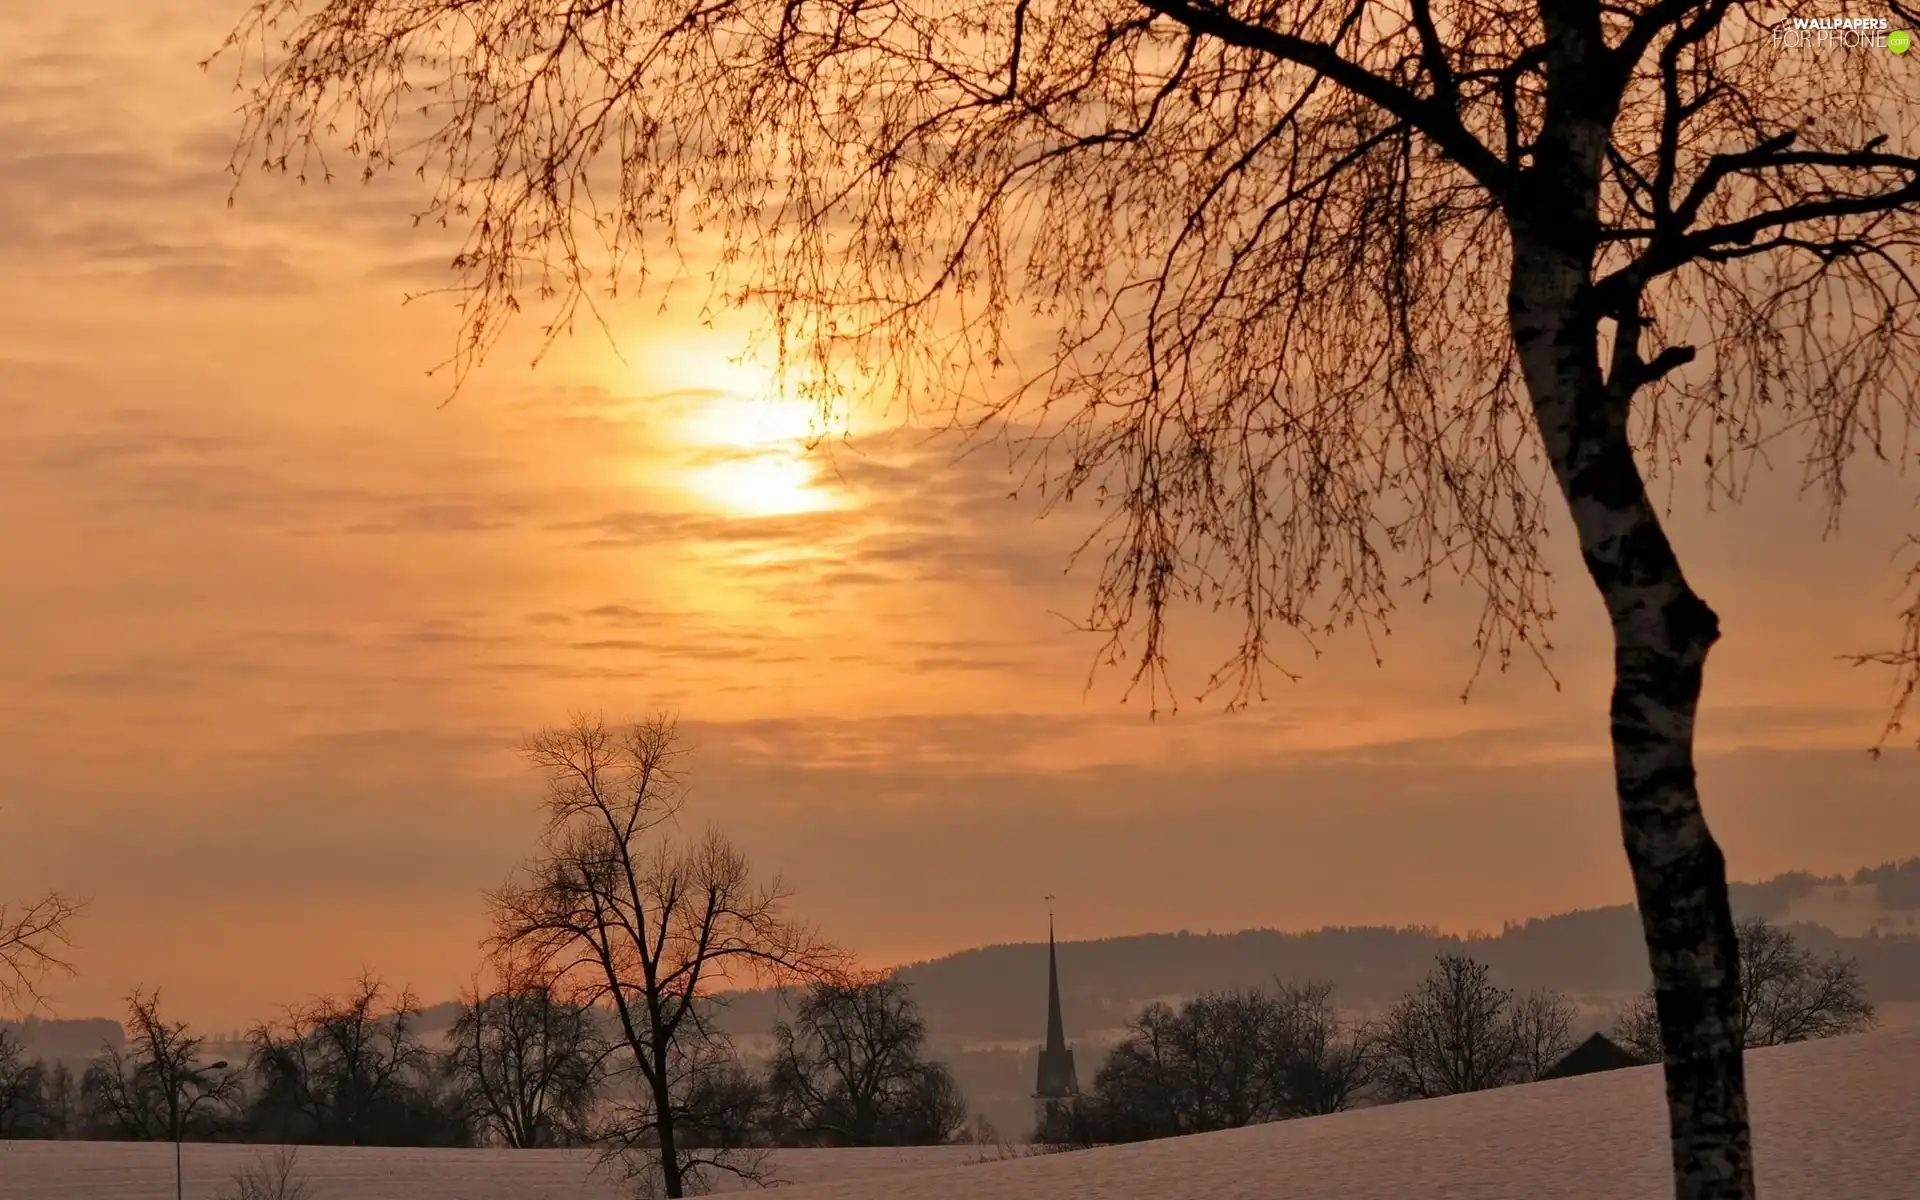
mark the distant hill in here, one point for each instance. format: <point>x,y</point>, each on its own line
<point>72,1042</point>
<point>995,993</point>
<point>985,1008</point>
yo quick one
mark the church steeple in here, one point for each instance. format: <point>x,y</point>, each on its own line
<point>1056,1076</point>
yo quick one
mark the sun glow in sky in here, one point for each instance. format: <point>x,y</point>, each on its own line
<point>751,448</point>
<point>774,483</point>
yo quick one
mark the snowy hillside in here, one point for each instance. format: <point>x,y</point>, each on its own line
<point>1833,1119</point>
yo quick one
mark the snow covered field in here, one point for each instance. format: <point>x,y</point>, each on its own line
<point>144,1171</point>
<point>1834,1120</point>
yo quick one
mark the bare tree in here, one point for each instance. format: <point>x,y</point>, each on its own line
<point>272,1178</point>
<point>1636,1027</point>
<point>1454,1033</point>
<point>1327,1062</point>
<point>352,1071</point>
<point>1225,1060</point>
<point>1142,1090</point>
<point>849,1070</point>
<point>1232,1044</point>
<point>1315,299</point>
<point>651,924</point>
<point>156,1089</point>
<point>34,938</point>
<point>26,1108</point>
<point>724,1109</point>
<point>1788,994</point>
<point>529,1061</point>
<point>1542,1032</point>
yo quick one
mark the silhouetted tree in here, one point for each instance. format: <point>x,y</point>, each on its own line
<point>1230,1043</point>
<point>651,925</point>
<point>1636,1027</point>
<point>1542,1032</point>
<point>849,1070</point>
<point>725,1108</point>
<point>1458,1031</point>
<point>1225,1060</point>
<point>1327,1062</point>
<point>33,941</point>
<point>1144,1088</point>
<point>272,1178</point>
<point>1323,297</point>
<point>27,1108</point>
<point>62,1092</point>
<point>155,1088</point>
<point>528,1061</point>
<point>353,1071</point>
<point>1788,994</point>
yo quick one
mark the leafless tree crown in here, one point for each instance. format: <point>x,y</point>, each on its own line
<point>1238,269</point>
<point>156,1087</point>
<point>1787,994</point>
<point>1459,1031</point>
<point>628,912</point>
<point>849,1069</point>
<point>528,1058</point>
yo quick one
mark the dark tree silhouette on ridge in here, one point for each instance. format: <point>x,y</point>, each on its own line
<point>849,1069</point>
<point>528,1060</point>
<point>155,1088</point>
<point>1227,1059</point>
<point>1333,296</point>
<point>1788,994</point>
<point>1457,1031</point>
<point>630,914</point>
<point>353,1070</point>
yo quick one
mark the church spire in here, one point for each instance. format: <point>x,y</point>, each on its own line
<point>1056,1027</point>
<point>1057,1078</point>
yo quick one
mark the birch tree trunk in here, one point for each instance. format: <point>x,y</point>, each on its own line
<point>1662,631</point>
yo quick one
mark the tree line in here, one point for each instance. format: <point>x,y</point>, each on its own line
<point>525,1066</point>
<point>612,953</point>
<point>522,1066</point>
<point>1231,1058</point>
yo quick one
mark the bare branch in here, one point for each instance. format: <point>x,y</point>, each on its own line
<point>33,941</point>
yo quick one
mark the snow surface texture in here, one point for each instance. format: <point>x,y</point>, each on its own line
<point>1834,1120</point>
<point>144,1171</point>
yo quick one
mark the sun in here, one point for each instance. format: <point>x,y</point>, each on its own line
<point>762,485</point>
<point>752,456</point>
<point>737,421</point>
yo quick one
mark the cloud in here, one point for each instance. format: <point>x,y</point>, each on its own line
<point>261,275</point>
<point>423,515</point>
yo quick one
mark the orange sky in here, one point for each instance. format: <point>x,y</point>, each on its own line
<point>276,619</point>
